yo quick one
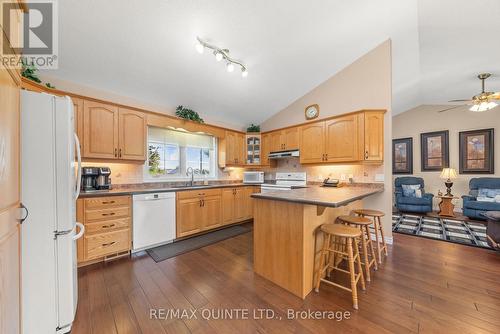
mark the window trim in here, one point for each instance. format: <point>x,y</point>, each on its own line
<point>179,176</point>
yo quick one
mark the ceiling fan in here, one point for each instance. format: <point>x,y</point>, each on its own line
<point>480,102</point>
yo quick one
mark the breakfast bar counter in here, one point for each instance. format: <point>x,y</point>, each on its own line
<point>286,224</point>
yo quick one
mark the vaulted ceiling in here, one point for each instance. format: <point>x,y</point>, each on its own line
<point>145,49</point>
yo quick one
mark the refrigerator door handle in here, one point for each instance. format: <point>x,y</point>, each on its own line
<point>79,172</point>
<point>22,207</point>
<point>82,231</point>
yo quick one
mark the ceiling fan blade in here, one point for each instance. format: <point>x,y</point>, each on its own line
<point>454,107</point>
<point>468,100</point>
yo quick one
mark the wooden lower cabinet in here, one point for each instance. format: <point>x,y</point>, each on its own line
<point>198,211</point>
<point>237,204</point>
<point>108,225</point>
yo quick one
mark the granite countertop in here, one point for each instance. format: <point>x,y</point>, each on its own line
<point>322,196</point>
<point>147,189</point>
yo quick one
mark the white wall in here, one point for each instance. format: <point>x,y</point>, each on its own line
<point>365,84</point>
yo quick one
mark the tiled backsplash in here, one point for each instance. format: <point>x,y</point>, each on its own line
<point>123,173</point>
<point>361,173</point>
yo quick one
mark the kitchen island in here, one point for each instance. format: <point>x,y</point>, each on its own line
<point>286,225</point>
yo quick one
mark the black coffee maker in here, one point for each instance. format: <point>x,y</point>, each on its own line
<point>96,178</point>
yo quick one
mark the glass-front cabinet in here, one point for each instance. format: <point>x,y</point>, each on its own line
<point>253,141</point>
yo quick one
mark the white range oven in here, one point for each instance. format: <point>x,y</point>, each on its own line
<point>286,181</point>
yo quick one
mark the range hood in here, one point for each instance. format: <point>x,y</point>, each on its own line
<point>284,154</point>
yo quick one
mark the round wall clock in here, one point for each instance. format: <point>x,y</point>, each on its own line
<point>312,111</point>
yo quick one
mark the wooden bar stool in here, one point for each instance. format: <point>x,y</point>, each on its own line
<point>362,224</point>
<point>350,235</point>
<point>377,224</point>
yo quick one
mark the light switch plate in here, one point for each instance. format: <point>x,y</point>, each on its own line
<point>379,177</point>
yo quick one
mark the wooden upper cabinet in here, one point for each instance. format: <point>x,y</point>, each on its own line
<point>290,138</point>
<point>235,148</point>
<point>374,136</point>
<point>100,130</point>
<point>342,139</point>
<point>78,114</point>
<point>241,149</point>
<point>264,149</point>
<point>132,131</point>
<point>312,142</point>
<point>276,144</point>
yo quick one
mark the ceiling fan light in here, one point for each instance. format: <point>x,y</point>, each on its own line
<point>200,48</point>
<point>483,106</point>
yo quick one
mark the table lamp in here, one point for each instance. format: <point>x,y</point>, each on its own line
<point>448,174</point>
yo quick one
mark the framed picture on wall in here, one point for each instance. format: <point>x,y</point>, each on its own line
<point>402,156</point>
<point>477,152</point>
<point>434,151</point>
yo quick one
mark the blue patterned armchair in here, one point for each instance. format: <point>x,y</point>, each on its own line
<point>412,204</point>
<point>471,206</point>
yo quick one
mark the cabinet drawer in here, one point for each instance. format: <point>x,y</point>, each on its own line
<point>106,202</point>
<point>103,244</point>
<point>107,225</point>
<point>198,193</point>
<point>110,213</point>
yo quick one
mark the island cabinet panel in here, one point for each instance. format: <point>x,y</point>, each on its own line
<point>132,131</point>
<point>198,211</point>
<point>312,142</point>
<point>342,139</point>
<point>108,225</point>
<point>100,126</point>
<point>373,135</point>
<point>287,241</point>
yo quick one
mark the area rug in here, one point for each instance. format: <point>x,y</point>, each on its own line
<point>167,251</point>
<point>445,229</point>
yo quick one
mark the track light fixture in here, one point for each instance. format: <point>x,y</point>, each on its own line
<point>221,54</point>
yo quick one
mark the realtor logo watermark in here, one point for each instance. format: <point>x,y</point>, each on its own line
<point>32,34</point>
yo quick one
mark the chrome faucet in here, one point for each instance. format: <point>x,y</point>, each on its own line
<point>190,171</point>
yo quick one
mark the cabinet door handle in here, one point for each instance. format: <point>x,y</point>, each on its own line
<point>109,244</point>
<point>108,202</point>
<point>326,157</point>
<point>116,153</point>
<point>202,202</point>
<point>120,153</point>
<point>108,214</point>
<point>108,226</point>
<point>366,155</point>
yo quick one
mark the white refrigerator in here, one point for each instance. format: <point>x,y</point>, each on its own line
<point>50,183</point>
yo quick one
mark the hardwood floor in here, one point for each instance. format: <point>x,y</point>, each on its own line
<point>424,286</point>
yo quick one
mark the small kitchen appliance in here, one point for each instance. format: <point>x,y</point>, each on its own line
<point>96,178</point>
<point>253,177</point>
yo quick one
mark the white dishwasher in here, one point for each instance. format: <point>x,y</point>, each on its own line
<point>154,220</point>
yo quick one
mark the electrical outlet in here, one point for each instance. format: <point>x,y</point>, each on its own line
<point>379,177</point>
